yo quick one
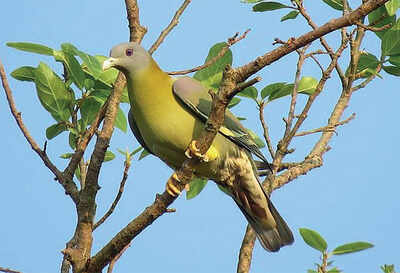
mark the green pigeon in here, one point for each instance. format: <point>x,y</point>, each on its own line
<point>167,113</point>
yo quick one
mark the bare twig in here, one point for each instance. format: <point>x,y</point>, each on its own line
<point>116,258</point>
<point>117,197</point>
<point>328,128</point>
<point>265,129</point>
<point>136,30</point>
<point>69,186</point>
<point>374,29</point>
<point>231,41</point>
<point>8,270</point>
<point>172,24</point>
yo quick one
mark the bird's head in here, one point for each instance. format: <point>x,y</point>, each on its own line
<point>128,58</point>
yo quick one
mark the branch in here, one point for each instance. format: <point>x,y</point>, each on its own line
<point>328,128</point>
<point>8,270</point>
<point>136,30</point>
<point>117,198</point>
<point>172,24</point>
<point>265,129</point>
<point>374,29</point>
<point>246,251</point>
<point>231,41</point>
<point>68,185</point>
<point>112,263</point>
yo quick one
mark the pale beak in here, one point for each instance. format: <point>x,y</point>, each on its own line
<point>108,63</point>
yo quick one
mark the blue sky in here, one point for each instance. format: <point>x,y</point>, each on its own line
<point>353,197</point>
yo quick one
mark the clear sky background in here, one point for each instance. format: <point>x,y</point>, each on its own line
<point>353,197</point>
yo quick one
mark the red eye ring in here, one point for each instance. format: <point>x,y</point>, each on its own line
<point>129,52</point>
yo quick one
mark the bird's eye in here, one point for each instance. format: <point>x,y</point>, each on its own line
<point>129,52</point>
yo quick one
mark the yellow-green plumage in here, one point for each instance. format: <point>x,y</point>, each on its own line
<point>167,113</point>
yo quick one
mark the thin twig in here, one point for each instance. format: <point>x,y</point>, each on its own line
<point>116,258</point>
<point>328,128</point>
<point>265,129</point>
<point>374,29</point>
<point>69,187</point>
<point>172,24</point>
<point>117,197</point>
<point>246,251</point>
<point>231,41</point>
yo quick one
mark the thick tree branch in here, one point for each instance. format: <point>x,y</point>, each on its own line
<point>68,185</point>
<point>172,24</point>
<point>246,251</point>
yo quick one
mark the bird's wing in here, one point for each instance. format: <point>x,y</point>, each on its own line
<point>194,96</point>
<point>136,131</point>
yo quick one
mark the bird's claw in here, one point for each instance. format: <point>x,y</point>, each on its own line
<point>170,187</point>
<point>193,151</point>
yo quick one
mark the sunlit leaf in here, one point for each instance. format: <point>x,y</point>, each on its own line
<point>73,67</point>
<point>282,92</point>
<point>313,239</point>
<point>392,6</point>
<point>351,247</point>
<point>24,73</point>
<point>109,156</point>
<point>66,156</point>
<point>120,121</point>
<point>307,85</point>
<point>391,43</point>
<point>393,70</point>
<point>234,101</point>
<point>31,47</point>
<point>249,92</point>
<point>250,1</point>
<point>336,4</point>
<point>195,187</point>
<point>143,154</point>
<point>52,93</point>
<point>378,18</point>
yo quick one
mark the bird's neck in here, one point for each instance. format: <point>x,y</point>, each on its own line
<point>150,86</point>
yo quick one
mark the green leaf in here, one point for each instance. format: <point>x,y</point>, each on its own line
<point>311,271</point>
<point>136,151</point>
<point>287,89</point>
<point>52,93</point>
<point>78,174</point>
<point>66,156</point>
<point>31,47</point>
<point>89,108</point>
<point>55,129</point>
<point>393,70</point>
<point>109,156</point>
<point>195,187</point>
<point>268,6</point>
<point>90,62</point>
<point>291,15</point>
<point>260,143</point>
<point>336,4</point>
<point>234,102</point>
<point>388,268</point>
<point>395,60</point>
<point>392,6</point>
<point>367,63</point>
<point>74,68</point>
<point>313,239</point>
<point>271,88</point>
<point>391,43</point>
<point>249,92</point>
<point>351,247</point>
<point>24,73</point>
<point>307,85</point>
<point>143,154</point>
<point>72,139</point>
<point>120,121</point>
<point>379,18</point>
<point>211,76</point>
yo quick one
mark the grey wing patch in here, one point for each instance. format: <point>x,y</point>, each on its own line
<point>136,132</point>
<point>194,95</point>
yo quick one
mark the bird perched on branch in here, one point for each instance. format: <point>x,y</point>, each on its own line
<point>167,113</point>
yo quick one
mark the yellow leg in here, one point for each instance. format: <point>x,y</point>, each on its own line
<point>170,187</point>
<point>193,151</point>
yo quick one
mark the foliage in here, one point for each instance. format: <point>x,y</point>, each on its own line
<point>316,241</point>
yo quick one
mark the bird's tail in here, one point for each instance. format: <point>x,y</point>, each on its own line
<point>272,231</point>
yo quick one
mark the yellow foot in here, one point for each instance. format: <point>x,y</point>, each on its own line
<point>193,151</point>
<point>170,187</point>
